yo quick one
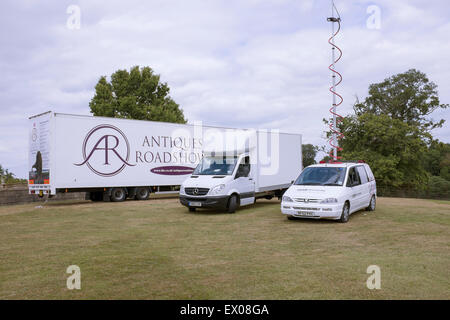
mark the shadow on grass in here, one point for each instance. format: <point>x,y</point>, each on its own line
<point>356,214</point>
<point>212,211</point>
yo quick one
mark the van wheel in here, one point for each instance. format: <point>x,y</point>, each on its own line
<point>232,204</point>
<point>372,204</point>
<point>142,193</point>
<point>118,194</point>
<point>291,218</point>
<point>345,213</point>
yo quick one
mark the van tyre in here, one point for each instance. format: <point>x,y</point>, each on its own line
<point>118,194</point>
<point>291,217</point>
<point>232,204</point>
<point>372,204</point>
<point>142,193</point>
<point>345,213</point>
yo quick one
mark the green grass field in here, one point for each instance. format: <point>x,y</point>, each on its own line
<point>156,249</point>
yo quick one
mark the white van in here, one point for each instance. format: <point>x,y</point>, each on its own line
<point>236,177</point>
<point>331,191</point>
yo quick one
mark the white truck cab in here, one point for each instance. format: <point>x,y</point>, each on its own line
<point>331,191</point>
<point>227,180</point>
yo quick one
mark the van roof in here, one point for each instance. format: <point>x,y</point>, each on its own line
<point>343,164</point>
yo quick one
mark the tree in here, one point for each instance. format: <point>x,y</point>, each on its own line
<point>137,94</point>
<point>409,97</point>
<point>391,130</point>
<point>393,149</point>
<point>8,177</point>
<point>309,153</point>
<point>436,160</point>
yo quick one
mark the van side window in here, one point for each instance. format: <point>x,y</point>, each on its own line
<point>362,175</point>
<point>369,173</point>
<point>353,178</point>
<point>244,168</point>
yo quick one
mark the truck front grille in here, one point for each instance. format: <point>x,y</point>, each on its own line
<point>196,191</point>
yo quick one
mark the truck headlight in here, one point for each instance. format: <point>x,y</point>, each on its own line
<point>217,189</point>
<point>329,200</point>
<point>286,199</point>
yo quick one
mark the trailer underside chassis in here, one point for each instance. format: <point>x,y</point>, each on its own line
<point>118,194</point>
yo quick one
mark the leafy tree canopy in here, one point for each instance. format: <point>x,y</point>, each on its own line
<point>393,148</point>
<point>137,94</point>
<point>8,177</point>
<point>391,130</point>
<point>309,153</point>
<point>410,97</point>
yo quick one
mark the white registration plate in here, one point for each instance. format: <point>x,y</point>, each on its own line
<point>195,204</point>
<point>305,213</point>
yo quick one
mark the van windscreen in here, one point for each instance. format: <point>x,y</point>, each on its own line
<point>322,176</point>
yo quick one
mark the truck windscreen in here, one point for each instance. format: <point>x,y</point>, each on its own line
<point>216,166</point>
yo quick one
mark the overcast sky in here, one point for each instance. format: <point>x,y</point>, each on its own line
<point>234,63</point>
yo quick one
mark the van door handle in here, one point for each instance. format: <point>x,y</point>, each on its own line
<point>250,179</point>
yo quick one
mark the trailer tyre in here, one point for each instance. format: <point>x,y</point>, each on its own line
<point>118,194</point>
<point>232,204</point>
<point>142,193</point>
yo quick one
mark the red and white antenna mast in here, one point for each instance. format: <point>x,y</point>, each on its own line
<point>335,133</point>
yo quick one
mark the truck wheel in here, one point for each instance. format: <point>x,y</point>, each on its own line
<point>191,209</point>
<point>232,204</point>
<point>345,213</point>
<point>142,193</point>
<point>118,194</point>
<point>268,197</point>
<point>372,204</point>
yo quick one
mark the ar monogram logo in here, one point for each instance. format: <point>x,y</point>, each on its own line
<point>106,150</point>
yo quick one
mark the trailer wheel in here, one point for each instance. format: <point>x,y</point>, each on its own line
<point>232,204</point>
<point>142,193</point>
<point>118,194</point>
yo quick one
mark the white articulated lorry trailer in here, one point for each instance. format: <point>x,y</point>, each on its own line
<point>110,158</point>
<point>249,165</point>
